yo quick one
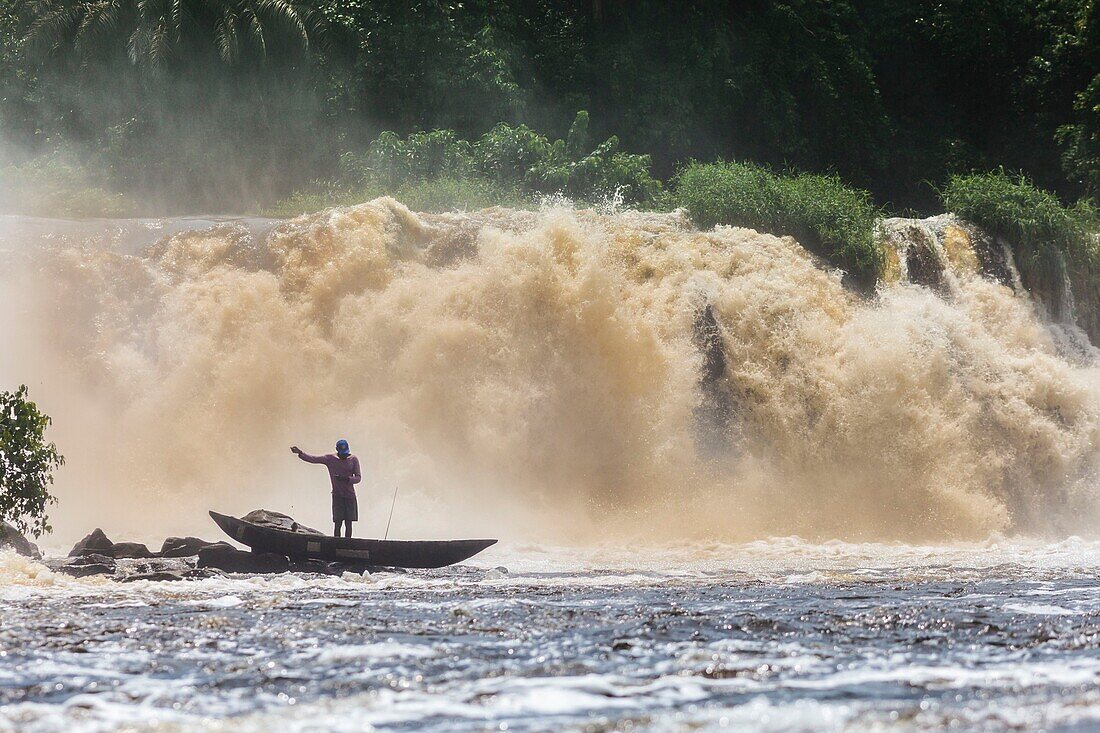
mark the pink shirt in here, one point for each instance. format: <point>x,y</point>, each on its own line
<point>343,472</point>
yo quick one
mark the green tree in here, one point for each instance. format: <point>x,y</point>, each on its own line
<point>1081,157</point>
<point>155,31</point>
<point>27,463</point>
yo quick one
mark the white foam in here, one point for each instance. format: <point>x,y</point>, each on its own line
<point>221,602</point>
<point>1039,609</point>
<point>379,650</point>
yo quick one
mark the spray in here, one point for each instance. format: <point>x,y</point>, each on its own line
<point>540,374</point>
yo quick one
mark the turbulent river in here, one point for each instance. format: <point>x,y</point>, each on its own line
<point>730,491</point>
<point>776,636</point>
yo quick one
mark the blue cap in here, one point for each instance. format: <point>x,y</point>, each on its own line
<point>342,448</point>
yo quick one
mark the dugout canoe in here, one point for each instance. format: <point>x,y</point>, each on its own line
<point>383,553</point>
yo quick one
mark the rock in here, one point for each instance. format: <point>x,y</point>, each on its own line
<point>237,561</point>
<point>716,409</point>
<point>84,565</point>
<point>130,550</point>
<point>83,570</point>
<point>216,546</point>
<point>96,542</point>
<point>185,546</point>
<point>13,539</point>
<point>156,565</point>
<point>203,573</point>
<point>276,520</point>
<point>316,567</point>
<point>91,559</point>
<point>925,266</point>
<point>99,544</point>
<point>159,575</point>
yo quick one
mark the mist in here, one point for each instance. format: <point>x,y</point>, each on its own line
<point>537,375</point>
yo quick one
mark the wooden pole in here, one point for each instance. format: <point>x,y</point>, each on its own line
<point>392,505</point>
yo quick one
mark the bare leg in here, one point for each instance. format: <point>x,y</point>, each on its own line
<point>336,530</point>
<point>347,528</point>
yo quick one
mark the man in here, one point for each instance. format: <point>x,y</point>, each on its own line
<point>343,471</point>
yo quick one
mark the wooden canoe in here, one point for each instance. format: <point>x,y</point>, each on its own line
<point>382,553</point>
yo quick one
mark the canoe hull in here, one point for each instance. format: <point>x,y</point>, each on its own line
<point>382,553</point>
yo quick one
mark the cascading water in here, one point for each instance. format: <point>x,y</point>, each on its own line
<point>565,373</point>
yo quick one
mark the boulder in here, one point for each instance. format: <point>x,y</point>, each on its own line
<point>203,573</point>
<point>216,547</point>
<point>276,520</point>
<point>925,266</point>
<point>185,546</point>
<point>82,567</point>
<point>233,560</point>
<point>317,567</point>
<point>96,542</point>
<point>130,550</point>
<point>91,559</point>
<point>13,539</point>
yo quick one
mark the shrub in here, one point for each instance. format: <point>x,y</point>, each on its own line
<point>1047,238</point>
<point>27,463</point>
<point>821,212</point>
<point>512,158</point>
<point>507,154</point>
<point>54,187</point>
<point>391,159</point>
<point>607,172</point>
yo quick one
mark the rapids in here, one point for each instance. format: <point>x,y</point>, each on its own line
<point>561,374</point>
<point>780,636</point>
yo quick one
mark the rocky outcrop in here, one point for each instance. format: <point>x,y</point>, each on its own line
<point>922,251</point>
<point>96,542</point>
<point>13,539</point>
<point>314,567</point>
<point>130,550</point>
<point>714,413</point>
<point>233,560</point>
<point>88,564</point>
<point>185,546</point>
<point>925,266</point>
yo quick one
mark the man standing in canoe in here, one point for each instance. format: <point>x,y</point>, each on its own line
<point>343,471</point>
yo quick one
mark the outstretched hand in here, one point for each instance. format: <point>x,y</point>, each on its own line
<point>295,450</point>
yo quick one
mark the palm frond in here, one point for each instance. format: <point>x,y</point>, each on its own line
<point>225,36</point>
<point>53,26</point>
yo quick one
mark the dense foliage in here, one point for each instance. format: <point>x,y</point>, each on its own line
<point>27,463</point>
<point>227,104</point>
<point>820,211</point>
<point>511,158</point>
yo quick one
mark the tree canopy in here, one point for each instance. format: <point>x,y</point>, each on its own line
<point>225,104</point>
<point>27,462</point>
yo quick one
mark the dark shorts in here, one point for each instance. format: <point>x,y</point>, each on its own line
<point>345,508</point>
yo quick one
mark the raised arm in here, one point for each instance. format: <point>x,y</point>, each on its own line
<point>307,457</point>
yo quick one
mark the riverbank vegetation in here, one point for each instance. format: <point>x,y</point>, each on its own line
<point>231,105</point>
<point>1052,243</point>
<point>507,166</point>
<point>27,463</point>
<point>822,213</point>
